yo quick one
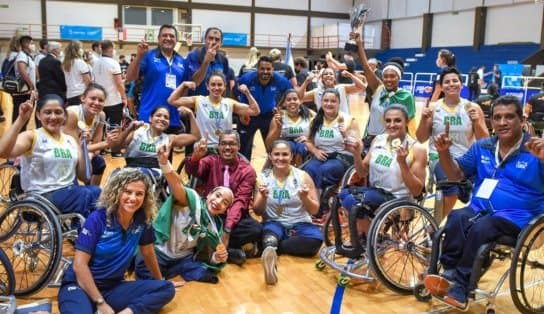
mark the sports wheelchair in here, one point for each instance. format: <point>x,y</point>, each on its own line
<point>526,270</point>
<point>32,231</point>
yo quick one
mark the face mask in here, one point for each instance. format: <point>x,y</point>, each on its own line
<point>81,52</point>
<point>32,47</point>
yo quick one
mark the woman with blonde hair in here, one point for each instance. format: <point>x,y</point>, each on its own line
<point>251,63</point>
<point>76,72</point>
<point>94,282</point>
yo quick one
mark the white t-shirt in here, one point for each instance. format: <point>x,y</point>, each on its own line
<point>30,66</point>
<point>74,79</point>
<point>104,70</point>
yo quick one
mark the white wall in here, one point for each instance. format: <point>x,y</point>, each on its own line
<point>520,23</point>
<point>79,13</point>
<point>21,12</point>
<point>229,22</point>
<point>338,6</point>
<point>405,8</point>
<point>378,9</point>
<point>453,29</point>
<point>230,2</point>
<point>282,4</point>
<point>276,36</point>
<point>406,33</point>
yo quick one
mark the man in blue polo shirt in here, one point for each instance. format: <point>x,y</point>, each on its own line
<point>508,194</point>
<point>204,61</point>
<point>163,70</point>
<point>266,87</point>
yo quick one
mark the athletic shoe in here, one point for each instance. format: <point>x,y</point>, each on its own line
<point>436,285</point>
<point>457,296</point>
<point>268,259</point>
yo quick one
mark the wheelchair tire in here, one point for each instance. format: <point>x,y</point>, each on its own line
<point>399,244</point>
<point>7,277</point>
<point>33,244</point>
<point>527,269</point>
<point>9,188</point>
<point>328,227</point>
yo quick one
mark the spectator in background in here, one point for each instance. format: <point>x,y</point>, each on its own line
<point>41,54</point>
<point>163,70</point>
<point>14,47</point>
<point>26,69</point>
<point>486,101</point>
<point>347,65</point>
<point>107,73</point>
<point>481,74</point>
<point>282,68</point>
<point>251,63</point>
<point>444,60</point>
<point>534,110</point>
<point>266,86</point>
<point>52,80</point>
<point>473,84</point>
<point>95,53</point>
<point>301,66</point>
<point>497,76</point>
<point>123,64</point>
<point>203,61</point>
<point>76,72</point>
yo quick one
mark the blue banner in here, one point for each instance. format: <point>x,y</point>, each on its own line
<point>80,32</point>
<point>235,39</point>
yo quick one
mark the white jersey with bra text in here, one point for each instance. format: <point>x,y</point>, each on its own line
<point>213,118</point>
<point>461,131</point>
<point>143,144</point>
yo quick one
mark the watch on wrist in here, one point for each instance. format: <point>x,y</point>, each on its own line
<point>99,301</point>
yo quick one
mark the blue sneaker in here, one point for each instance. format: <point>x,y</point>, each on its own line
<point>457,296</point>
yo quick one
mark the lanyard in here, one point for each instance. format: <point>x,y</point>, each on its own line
<point>498,163</point>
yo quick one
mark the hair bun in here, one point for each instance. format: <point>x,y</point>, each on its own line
<point>397,61</point>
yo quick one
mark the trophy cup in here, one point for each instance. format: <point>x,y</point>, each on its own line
<point>357,17</point>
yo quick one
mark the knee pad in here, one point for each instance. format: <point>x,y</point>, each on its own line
<point>270,240</point>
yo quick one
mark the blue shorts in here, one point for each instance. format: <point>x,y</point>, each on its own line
<point>371,197</point>
<point>301,229</point>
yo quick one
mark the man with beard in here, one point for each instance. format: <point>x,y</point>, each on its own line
<point>228,169</point>
<point>163,70</point>
<point>508,193</point>
<point>266,86</point>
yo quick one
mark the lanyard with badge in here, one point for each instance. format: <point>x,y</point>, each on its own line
<point>488,185</point>
<point>170,78</point>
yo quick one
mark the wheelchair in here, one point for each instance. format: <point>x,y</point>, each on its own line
<point>32,232</point>
<point>397,247</point>
<point>526,270</point>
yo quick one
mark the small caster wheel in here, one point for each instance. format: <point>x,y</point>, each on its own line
<point>490,308</point>
<point>320,265</point>
<point>421,293</point>
<point>343,281</point>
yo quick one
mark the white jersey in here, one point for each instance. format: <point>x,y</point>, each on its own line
<point>78,111</point>
<point>30,68</point>
<point>341,88</point>
<point>50,164</point>
<point>179,244</point>
<point>104,70</point>
<point>328,138</point>
<point>291,129</point>
<point>143,144</point>
<point>461,131</point>
<point>74,79</point>
<point>283,204</point>
<point>213,118</point>
<point>384,169</point>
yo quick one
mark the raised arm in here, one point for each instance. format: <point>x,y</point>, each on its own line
<point>413,175</point>
<point>451,168</point>
<point>308,195</point>
<point>333,63</point>
<point>13,143</point>
<point>177,98</point>
<point>274,130</point>
<point>424,129</point>
<point>133,70</point>
<point>478,121</point>
<point>182,140</point>
<point>173,179</point>
<point>373,80</point>
<point>242,109</point>
<point>358,85</point>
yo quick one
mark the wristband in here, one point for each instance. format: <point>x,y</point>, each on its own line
<point>166,168</point>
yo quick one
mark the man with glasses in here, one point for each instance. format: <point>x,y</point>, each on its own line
<point>228,168</point>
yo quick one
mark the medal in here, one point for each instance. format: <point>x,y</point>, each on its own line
<point>279,210</point>
<point>395,143</point>
<point>468,106</point>
<point>340,119</point>
<point>218,132</point>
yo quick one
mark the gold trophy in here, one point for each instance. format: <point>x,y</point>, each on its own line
<point>357,17</point>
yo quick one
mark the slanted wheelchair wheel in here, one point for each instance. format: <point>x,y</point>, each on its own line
<point>400,241</point>
<point>9,188</point>
<point>328,228</point>
<point>31,238</point>
<point>527,269</point>
<point>7,277</point>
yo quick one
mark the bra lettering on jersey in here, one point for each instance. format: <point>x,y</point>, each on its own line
<point>281,194</point>
<point>62,153</point>
<point>150,148</point>
<point>384,160</point>
<point>453,120</point>
<point>326,133</point>
<point>295,130</point>
<point>216,115</point>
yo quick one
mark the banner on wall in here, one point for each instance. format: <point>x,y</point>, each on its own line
<point>74,32</point>
<point>235,39</point>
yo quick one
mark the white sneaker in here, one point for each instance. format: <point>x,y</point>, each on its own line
<point>268,259</point>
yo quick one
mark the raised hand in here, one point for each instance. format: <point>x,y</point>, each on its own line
<point>184,111</point>
<point>536,147</point>
<point>163,151</point>
<point>25,110</point>
<point>277,117</point>
<point>189,85</point>
<point>243,89</point>
<point>210,53</point>
<point>201,147</point>
<point>443,142</point>
<point>142,48</point>
<point>402,152</point>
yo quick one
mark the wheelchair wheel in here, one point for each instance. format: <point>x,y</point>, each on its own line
<point>527,269</point>
<point>328,227</point>
<point>399,244</point>
<point>7,277</point>
<point>31,238</point>
<point>8,187</point>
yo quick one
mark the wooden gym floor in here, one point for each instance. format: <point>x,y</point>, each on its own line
<point>301,287</point>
